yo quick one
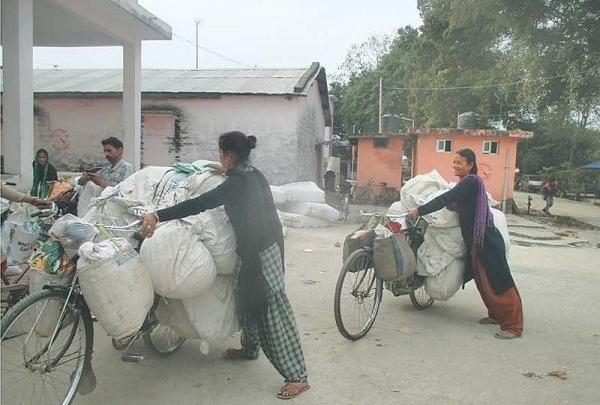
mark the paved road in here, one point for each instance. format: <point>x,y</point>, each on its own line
<point>438,356</point>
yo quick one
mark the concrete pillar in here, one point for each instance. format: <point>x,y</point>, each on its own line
<point>17,100</point>
<point>132,102</point>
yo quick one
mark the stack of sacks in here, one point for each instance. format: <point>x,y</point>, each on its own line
<point>302,205</point>
<point>441,257</point>
<point>191,259</point>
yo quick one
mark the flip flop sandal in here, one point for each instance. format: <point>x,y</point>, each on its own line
<point>488,321</point>
<point>236,354</point>
<point>293,393</point>
<point>504,334</point>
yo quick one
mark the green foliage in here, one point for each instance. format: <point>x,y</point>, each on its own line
<point>533,65</point>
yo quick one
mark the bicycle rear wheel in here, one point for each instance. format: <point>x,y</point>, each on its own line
<point>46,343</point>
<point>358,295</point>
<point>420,299</point>
<point>163,340</point>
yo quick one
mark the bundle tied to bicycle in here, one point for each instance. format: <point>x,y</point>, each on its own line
<point>393,258</point>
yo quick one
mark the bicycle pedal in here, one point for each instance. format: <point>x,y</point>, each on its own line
<point>131,357</point>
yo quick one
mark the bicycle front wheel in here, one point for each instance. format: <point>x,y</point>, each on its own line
<point>358,295</point>
<point>46,342</point>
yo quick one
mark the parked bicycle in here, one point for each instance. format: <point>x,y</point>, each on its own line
<point>358,291</point>
<point>367,194</point>
<point>48,339</point>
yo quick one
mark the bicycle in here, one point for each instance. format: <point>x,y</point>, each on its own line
<point>47,342</point>
<point>358,291</point>
<point>15,287</point>
<point>367,195</point>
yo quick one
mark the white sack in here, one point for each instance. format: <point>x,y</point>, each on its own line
<point>443,286</point>
<point>304,191</point>
<point>19,234</point>
<point>301,221</point>
<point>172,313</point>
<point>213,312</point>
<point>216,232</point>
<point>86,198</point>
<point>115,285</point>
<point>502,225</point>
<point>311,209</point>
<point>279,195</point>
<point>179,264</point>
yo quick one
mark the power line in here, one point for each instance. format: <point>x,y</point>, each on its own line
<point>483,86</point>
<point>212,52</point>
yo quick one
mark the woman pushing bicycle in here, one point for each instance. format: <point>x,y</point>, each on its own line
<point>263,309</point>
<point>485,246</point>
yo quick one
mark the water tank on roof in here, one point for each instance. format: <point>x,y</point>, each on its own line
<point>468,120</point>
<point>390,123</point>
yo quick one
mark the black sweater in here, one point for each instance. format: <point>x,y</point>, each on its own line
<point>248,202</point>
<point>493,253</point>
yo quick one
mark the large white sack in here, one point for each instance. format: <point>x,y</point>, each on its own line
<point>172,313</point>
<point>440,247</point>
<point>142,184</point>
<point>304,191</point>
<point>301,221</point>
<point>443,286</point>
<point>19,234</point>
<point>416,190</point>
<point>502,225</point>
<point>86,197</point>
<point>115,285</point>
<point>213,312</point>
<point>311,209</point>
<point>216,233</point>
<point>179,264</point>
<point>279,195</point>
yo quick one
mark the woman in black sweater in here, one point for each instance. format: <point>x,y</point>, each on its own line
<point>485,246</point>
<point>263,309</point>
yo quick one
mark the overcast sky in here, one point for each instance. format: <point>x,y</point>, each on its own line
<point>256,33</point>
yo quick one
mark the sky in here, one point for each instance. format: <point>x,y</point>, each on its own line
<point>257,33</point>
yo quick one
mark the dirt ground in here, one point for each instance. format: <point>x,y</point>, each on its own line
<point>437,356</point>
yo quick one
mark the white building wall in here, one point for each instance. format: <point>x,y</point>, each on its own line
<point>287,130</point>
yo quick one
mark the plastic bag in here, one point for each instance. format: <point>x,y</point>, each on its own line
<point>19,234</point>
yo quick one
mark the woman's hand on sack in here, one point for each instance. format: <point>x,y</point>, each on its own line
<point>148,226</point>
<point>412,213</point>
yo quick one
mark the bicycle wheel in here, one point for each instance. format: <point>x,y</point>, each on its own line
<point>163,340</point>
<point>358,295</point>
<point>46,343</point>
<point>420,299</point>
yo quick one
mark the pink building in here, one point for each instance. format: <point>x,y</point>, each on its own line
<point>379,156</point>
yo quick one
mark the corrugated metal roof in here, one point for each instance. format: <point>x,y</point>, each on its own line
<point>222,81</point>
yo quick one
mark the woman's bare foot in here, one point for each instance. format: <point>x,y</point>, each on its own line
<point>236,354</point>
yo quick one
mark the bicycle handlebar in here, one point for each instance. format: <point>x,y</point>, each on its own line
<point>46,212</point>
<point>120,228</point>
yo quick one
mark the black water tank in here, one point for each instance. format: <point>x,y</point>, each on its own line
<point>390,123</point>
<point>468,120</point>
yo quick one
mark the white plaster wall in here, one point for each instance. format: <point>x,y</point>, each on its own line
<point>287,130</point>
<point>72,128</point>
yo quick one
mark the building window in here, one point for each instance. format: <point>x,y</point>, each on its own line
<point>490,147</point>
<point>380,142</point>
<point>444,145</point>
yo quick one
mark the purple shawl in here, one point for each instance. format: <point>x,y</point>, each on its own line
<point>483,217</point>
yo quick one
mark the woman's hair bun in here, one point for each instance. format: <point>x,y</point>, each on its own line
<point>251,141</point>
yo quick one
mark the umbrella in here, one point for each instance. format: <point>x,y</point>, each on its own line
<point>592,166</point>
